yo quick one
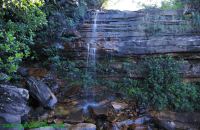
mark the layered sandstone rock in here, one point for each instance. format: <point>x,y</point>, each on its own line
<point>143,33</point>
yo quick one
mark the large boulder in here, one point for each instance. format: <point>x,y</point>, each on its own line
<point>13,105</point>
<point>41,92</point>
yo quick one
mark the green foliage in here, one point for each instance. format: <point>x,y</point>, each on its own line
<point>73,73</point>
<point>172,5</point>
<point>197,106</point>
<point>66,68</point>
<point>162,87</point>
<point>4,77</point>
<point>193,3</point>
<point>18,22</point>
<point>63,19</point>
<point>192,11</point>
<point>196,21</point>
<point>80,12</point>
<point>192,7</point>
<point>35,124</point>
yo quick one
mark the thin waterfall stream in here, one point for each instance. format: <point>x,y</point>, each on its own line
<point>91,48</point>
<point>90,74</point>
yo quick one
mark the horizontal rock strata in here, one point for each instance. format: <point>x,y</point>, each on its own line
<point>142,33</point>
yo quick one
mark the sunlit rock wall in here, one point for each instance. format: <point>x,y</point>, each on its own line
<point>143,33</point>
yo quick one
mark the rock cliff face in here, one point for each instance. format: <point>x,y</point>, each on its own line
<point>145,32</point>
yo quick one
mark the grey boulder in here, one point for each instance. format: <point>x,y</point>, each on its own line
<point>41,92</point>
<point>13,105</point>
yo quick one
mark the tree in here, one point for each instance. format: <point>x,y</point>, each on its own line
<point>19,20</point>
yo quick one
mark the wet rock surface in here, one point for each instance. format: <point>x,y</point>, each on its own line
<point>104,114</point>
<point>99,113</point>
<point>41,92</point>
<point>102,117</point>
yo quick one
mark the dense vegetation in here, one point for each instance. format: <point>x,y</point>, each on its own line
<point>28,22</point>
<point>163,87</point>
<point>19,20</point>
<point>172,4</point>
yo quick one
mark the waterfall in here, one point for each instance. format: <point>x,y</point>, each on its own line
<point>90,75</point>
<point>91,54</point>
<point>91,47</point>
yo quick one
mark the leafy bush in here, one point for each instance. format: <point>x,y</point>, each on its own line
<point>80,12</point>
<point>63,18</point>
<point>196,21</point>
<point>18,22</point>
<point>197,106</point>
<point>162,87</point>
<point>193,4</point>
<point>191,8</point>
<point>172,4</point>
